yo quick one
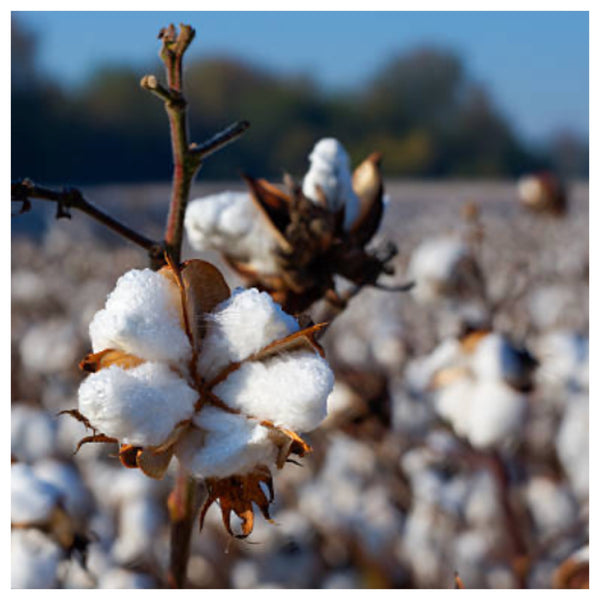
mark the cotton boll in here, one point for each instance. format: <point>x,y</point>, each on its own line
<point>138,406</point>
<point>50,347</point>
<point>433,267</point>
<point>244,324</point>
<point>572,445</point>
<point>33,433</point>
<point>245,574</point>
<point>140,521</point>
<point>65,478</point>
<point>32,499</point>
<point>289,390</point>
<point>420,371</point>
<point>471,550</point>
<point>552,507</point>
<point>330,171</point>
<point>230,223</point>
<point>119,579</point>
<point>454,403</point>
<point>141,317</point>
<point>34,560</point>
<point>226,444</point>
<point>496,414</point>
<point>482,507</point>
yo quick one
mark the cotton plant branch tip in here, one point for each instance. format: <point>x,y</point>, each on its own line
<point>219,140</point>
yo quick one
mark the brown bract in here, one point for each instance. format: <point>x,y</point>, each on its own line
<point>311,243</point>
<point>201,288</point>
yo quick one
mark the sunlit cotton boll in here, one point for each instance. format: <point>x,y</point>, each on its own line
<point>246,322</point>
<point>140,317</point>
<point>138,406</point>
<point>229,222</point>
<point>330,171</point>
<point>32,499</point>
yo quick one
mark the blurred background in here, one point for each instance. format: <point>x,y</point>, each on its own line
<point>441,94</point>
<point>419,471</point>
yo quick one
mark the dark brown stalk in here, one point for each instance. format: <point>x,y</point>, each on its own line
<point>68,198</point>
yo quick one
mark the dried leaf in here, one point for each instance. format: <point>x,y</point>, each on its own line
<point>368,186</point>
<point>237,494</point>
<point>99,438</point>
<point>152,463</point>
<point>100,360</point>
<point>274,206</point>
<point>202,288</point>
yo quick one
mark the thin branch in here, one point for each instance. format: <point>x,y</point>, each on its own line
<point>71,198</point>
<point>220,140</point>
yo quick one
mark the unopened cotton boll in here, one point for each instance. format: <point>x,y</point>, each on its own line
<point>330,171</point>
<point>141,318</point>
<point>244,324</point>
<point>139,406</point>
<point>229,222</point>
<point>225,444</point>
<point>34,560</point>
<point>289,390</point>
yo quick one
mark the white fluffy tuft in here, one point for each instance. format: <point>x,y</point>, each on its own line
<point>246,322</point>
<point>230,223</point>
<point>225,444</point>
<point>32,499</point>
<point>141,317</point>
<point>139,406</point>
<point>34,560</point>
<point>330,170</point>
<point>290,390</point>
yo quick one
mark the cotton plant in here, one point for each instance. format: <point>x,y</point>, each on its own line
<point>223,381</point>
<point>293,243</point>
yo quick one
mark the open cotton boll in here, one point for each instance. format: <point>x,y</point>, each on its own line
<point>230,223</point>
<point>496,414</point>
<point>34,560</point>
<point>572,444</point>
<point>65,478</point>
<point>330,171</point>
<point>495,358</point>
<point>433,265</point>
<point>453,403</point>
<point>141,317</point>
<point>119,579</point>
<point>290,390</point>
<point>225,444</point>
<point>139,406</point>
<point>551,505</point>
<point>32,432</point>
<point>243,324</point>
<point>32,500</point>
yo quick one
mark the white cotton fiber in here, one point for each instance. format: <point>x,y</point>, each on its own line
<point>33,433</point>
<point>225,444</point>
<point>139,406</point>
<point>230,223</point>
<point>551,505</point>
<point>31,499</point>
<point>65,478</point>
<point>34,560</point>
<point>330,171</point>
<point>497,412</point>
<point>453,403</point>
<point>243,324</point>
<point>495,358</point>
<point>290,390</point>
<point>432,266</point>
<point>141,317</point>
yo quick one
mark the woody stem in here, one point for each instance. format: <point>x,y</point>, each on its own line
<point>183,507</point>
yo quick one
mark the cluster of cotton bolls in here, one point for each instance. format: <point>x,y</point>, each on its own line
<point>456,436</point>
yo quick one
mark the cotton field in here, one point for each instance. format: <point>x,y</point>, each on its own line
<point>456,435</point>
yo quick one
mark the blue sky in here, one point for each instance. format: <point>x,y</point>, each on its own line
<point>535,64</point>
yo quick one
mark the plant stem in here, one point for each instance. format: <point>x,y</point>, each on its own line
<point>67,198</point>
<point>187,160</point>
<point>183,508</point>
